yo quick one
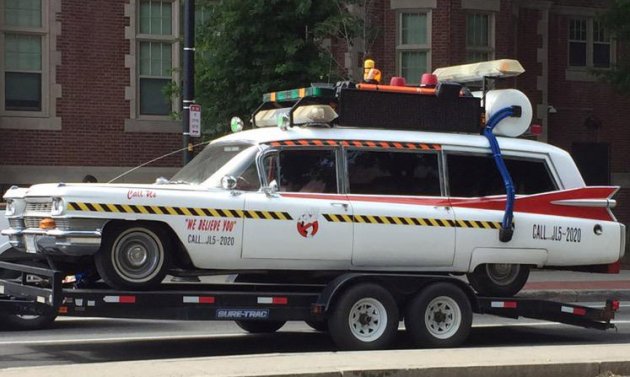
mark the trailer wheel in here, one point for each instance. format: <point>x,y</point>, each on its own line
<point>133,257</point>
<point>440,315</point>
<point>317,325</point>
<point>499,279</point>
<point>16,322</point>
<point>365,317</point>
<point>260,327</point>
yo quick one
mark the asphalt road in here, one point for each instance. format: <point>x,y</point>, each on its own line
<point>87,340</point>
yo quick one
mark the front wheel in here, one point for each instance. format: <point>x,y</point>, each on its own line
<point>133,257</point>
<point>499,279</point>
<point>439,316</point>
<point>260,327</point>
<point>364,318</point>
<point>18,322</point>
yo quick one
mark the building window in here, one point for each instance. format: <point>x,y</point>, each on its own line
<point>479,37</point>
<point>23,38</point>
<point>413,45</point>
<point>155,38</point>
<point>589,44</point>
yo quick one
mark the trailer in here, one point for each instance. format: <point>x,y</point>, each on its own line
<point>360,311</point>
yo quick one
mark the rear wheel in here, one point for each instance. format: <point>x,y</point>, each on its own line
<point>499,279</point>
<point>260,327</point>
<point>439,316</point>
<point>133,257</point>
<point>365,317</point>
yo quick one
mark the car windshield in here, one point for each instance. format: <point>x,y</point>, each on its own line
<point>215,162</point>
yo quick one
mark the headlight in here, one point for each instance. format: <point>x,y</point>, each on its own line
<point>57,207</point>
<point>10,210</point>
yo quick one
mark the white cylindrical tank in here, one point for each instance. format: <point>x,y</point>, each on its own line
<point>502,98</point>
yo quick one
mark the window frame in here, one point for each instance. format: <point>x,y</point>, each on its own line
<point>339,169</point>
<point>401,48</point>
<point>138,39</point>
<point>507,155</point>
<point>44,33</point>
<point>491,48</point>
<point>439,160</point>
<point>590,45</point>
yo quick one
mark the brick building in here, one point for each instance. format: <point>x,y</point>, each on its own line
<point>80,91</point>
<point>559,43</point>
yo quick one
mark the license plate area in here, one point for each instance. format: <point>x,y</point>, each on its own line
<point>31,246</point>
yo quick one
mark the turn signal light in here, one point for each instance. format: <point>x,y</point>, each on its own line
<point>47,224</point>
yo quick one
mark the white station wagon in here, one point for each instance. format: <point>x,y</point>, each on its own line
<point>316,197</point>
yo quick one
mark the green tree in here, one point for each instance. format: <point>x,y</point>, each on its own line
<point>617,21</point>
<point>249,47</point>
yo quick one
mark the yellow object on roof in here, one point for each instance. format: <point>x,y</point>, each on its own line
<point>477,71</point>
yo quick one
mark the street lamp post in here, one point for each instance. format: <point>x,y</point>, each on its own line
<point>188,95</point>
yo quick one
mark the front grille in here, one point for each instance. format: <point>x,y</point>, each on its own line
<point>67,224</point>
<point>16,223</point>
<point>38,207</point>
<point>32,222</point>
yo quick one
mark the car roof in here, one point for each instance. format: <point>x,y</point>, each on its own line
<point>270,134</point>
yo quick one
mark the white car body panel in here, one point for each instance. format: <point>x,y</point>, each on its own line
<point>233,241</point>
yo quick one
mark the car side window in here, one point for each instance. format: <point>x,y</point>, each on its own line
<point>393,173</point>
<point>270,168</point>
<point>477,175</point>
<point>308,171</point>
<point>248,180</point>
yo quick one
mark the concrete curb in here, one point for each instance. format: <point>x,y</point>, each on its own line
<point>570,295</point>
<point>534,361</point>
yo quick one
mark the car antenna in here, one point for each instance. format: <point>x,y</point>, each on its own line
<point>155,159</point>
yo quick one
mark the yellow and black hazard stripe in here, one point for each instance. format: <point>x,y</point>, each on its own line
<point>356,144</point>
<point>178,211</point>
<point>414,221</point>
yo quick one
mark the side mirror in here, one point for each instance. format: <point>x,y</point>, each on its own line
<point>272,189</point>
<point>228,182</point>
<point>161,181</point>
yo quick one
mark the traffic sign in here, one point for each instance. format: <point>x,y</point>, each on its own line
<point>194,126</point>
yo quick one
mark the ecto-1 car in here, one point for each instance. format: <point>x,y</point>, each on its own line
<point>354,178</point>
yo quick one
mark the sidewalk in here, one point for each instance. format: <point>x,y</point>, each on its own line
<point>568,286</point>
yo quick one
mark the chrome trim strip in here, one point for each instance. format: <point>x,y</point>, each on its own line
<point>598,203</point>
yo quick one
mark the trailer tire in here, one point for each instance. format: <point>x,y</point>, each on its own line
<point>133,256</point>
<point>15,322</point>
<point>440,315</point>
<point>365,317</point>
<point>317,325</point>
<point>499,279</point>
<point>260,327</point>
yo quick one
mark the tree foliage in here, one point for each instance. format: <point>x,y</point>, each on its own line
<point>617,21</point>
<point>249,47</point>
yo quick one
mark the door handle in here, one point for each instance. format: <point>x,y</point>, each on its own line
<point>336,204</point>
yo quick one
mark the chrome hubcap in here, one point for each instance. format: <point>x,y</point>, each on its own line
<point>137,256</point>
<point>502,273</point>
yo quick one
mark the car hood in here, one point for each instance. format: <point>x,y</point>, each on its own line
<point>91,190</point>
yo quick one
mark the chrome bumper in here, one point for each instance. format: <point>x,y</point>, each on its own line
<point>54,241</point>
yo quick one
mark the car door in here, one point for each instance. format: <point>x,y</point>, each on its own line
<point>306,218</point>
<point>401,218</point>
